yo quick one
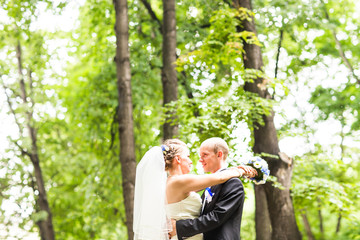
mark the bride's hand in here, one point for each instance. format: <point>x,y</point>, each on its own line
<point>173,232</point>
<point>249,172</point>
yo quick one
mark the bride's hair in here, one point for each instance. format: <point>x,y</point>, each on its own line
<point>175,146</point>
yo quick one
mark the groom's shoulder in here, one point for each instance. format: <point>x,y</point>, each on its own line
<point>232,186</point>
<point>235,182</point>
<point>232,182</point>
<point>234,179</point>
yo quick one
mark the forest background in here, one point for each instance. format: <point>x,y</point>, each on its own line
<point>87,87</point>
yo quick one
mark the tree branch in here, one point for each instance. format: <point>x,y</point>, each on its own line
<point>21,76</point>
<point>307,226</point>
<point>152,14</point>
<point>12,109</point>
<point>339,46</point>
<point>31,88</point>
<point>228,3</point>
<point>278,51</point>
<point>23,151</point>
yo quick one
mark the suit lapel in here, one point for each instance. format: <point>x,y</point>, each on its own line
<point>203,203</point>
<point>216,190</point>
<point>209,206</point>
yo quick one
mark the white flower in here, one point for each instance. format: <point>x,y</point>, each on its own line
<point>264,164</point>
<point>257,164</point>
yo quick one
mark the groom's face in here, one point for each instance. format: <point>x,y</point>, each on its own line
<point>209,159</point>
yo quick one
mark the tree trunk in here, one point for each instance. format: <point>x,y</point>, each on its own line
<point>281,210</point>
<point>342,136</point>
<point>182,80</point>
<point>338,223</point>
<point>262,218</point>
<point>321,225</point>
<point>168,75</point>
<point>125,114</point>
<point>45,226</point>
<point>48,231</point>
<point>307,226</point>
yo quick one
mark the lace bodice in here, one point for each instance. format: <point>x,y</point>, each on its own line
<point>187,208</point>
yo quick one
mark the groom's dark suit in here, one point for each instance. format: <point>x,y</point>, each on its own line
<point>221,218</point>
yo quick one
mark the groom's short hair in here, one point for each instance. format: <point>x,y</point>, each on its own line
<point>217,144</point>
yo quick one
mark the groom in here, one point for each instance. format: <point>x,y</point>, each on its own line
<point>222,208</point>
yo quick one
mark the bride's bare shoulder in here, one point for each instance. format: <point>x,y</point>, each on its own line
<point>181,179</point>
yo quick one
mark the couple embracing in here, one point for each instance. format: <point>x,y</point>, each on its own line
<point>166,205</point>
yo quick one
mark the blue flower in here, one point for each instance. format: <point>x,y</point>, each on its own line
<point>209,191</point>
<point>208,194</point>
<point>261,167</point>
<point>164,149</point>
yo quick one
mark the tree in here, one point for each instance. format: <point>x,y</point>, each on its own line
<point>45,225</point>
<point>76,116</point>
<point>168,75</point>
<point>279,202</point>
<point>322,49</point>
<point>24,99</point>
<point>42,205</point>
<point>126,131</point>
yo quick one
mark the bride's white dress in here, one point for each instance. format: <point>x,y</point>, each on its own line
<point>189,207</point>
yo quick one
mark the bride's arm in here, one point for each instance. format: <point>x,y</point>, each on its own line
<point>190,182</point>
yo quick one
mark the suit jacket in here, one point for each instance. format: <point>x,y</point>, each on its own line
<point>221,218</point>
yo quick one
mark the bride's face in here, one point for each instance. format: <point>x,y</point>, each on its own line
<point>185,162</point>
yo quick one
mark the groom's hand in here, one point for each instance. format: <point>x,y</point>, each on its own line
<point>173,232</point>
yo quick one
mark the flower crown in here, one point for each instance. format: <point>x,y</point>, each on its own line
<point>165,149</point>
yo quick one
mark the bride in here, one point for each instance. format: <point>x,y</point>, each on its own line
<point>164,190</point>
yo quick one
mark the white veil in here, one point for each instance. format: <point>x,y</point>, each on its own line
<point>150,220</point>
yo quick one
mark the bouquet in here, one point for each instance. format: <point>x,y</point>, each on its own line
<point>262,169</point>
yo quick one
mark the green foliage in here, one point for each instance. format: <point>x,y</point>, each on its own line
<point>247,222</point>
<point>76,117</point>
<point>327,186</point>
<point>219,103</point>
<point>319,189</point>
<point>218,115</point>
<point>351,231</point>
<point>307,45</point>
<point>39,216</point>
<point>222,47</point>
<point>338,103</point>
